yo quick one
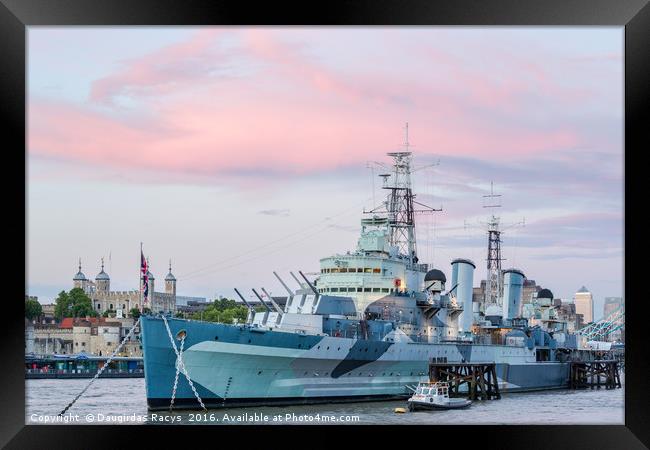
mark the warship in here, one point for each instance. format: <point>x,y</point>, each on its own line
<point>366,328</point>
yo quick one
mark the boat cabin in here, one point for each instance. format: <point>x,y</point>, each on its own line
<point>433,389</point>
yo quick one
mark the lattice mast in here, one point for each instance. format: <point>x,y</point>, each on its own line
<point>494,288</point>
<point>494,227</point>
<point>399,205</point>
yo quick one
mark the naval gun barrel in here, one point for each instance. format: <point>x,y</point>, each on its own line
<point>243,299</point>
<point>283,284</point>
<point>308,282</point>
<point>275,305</point>
<point>262,300</point>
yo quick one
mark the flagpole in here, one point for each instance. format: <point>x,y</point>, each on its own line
<point>140,279</point>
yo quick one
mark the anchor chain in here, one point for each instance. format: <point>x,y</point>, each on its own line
<point>178,371</point>
<point>101,370</point>
<point>180,364</point>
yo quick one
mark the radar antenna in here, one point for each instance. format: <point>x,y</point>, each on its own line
<point>494,286</point>
<point>399,205</point>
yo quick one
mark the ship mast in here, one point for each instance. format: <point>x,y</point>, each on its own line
<point>494,282</point>
<point>399,205</point>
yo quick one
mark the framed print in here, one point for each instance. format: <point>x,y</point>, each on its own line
<point>403,214</point>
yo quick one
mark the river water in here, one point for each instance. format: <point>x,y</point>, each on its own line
<point>123,401</point>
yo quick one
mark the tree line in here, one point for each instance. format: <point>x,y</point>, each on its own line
<point>222,310</point>
<point>76,303</point>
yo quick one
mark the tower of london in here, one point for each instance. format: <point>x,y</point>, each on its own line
<point>121,302</point>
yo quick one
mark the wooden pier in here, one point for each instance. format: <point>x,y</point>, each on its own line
<point>594,374</point>
<point>480,379</point>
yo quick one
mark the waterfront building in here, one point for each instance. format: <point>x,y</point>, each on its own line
<point>81,331</point>
<point>92,335</point>
<point>48,313</point>
<point>104,338</point>
<point>184,300</point>
<point>584,302</point>
<point>51,338</point>
<point>192,306</point>
<point>29,336</point>
<point>120,303</point>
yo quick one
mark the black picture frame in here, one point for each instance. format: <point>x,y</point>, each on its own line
<point>16,15</point>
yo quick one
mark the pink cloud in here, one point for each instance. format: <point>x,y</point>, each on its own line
<point>261,135</point>
<point>158,72</point>
<point>292,114</point>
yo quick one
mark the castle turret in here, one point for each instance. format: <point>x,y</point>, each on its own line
<point>170,281</point>
<point>80,281</point>
<point>102,280</point>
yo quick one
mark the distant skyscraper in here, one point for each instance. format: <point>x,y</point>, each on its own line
<point>584,304</point>
<point>611,305</point>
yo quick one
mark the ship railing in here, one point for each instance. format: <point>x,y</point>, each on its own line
<point>354,334</point>
<point>418,267</point>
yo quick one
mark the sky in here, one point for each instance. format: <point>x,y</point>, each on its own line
<point>237,151</point>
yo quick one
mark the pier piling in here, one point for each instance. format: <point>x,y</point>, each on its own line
<point>480,379</point>
<point>595,374</point>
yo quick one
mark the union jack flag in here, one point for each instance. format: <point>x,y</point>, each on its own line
<point>144,269</point>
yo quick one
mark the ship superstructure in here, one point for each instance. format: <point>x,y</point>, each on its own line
<point>366,327</point>
<point>385,260</point>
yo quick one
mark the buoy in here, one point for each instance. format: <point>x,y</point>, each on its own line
<point>400,410</point>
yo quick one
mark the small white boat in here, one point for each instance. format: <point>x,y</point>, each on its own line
<point>435,396</point>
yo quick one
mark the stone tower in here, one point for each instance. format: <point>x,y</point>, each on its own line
<point>170,281</point>
<point>102,280</point>
<point>80,281</point>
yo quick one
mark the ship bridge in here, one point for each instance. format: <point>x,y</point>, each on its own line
<point>385,261</point>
